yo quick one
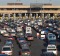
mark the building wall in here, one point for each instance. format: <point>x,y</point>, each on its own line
<point>23,9</point>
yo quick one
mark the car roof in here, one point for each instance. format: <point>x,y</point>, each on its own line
<point>25,46</point>
<point>21,38</point>
<point>6,46</point>
<point>25,50</point>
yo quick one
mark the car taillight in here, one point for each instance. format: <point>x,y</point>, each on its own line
<point>28,52</point>
<point>12,38</point>
<point>10,52</point>
<point>2,53</point>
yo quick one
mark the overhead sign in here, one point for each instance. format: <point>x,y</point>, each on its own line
<point>36,5</point>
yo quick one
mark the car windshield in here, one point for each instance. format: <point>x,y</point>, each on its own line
<point>51,37</point>
<point>51,46</point>
<point>6,49</point>
<point>8,42</point>
<point>21,38</point>
<point>25,50</point>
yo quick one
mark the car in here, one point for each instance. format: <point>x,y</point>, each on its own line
<point>12,32</point>
<point>2,31</point>
<point>6,50</point>
<point>52,48</point>
<point>18,29</point>
<point>50,28</point>
<point>11,37</point>
<point>21,34</point>
<point>9,43</point>
<point>29,37</point>
<point>25,52</point>
<point>42,36</point>
<point>6,34</point>
<point>21,39</point>
<point>40,22</point>
<point>51,36</point>
<point>24,45</point>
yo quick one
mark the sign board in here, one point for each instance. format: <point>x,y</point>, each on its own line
<point>42,32</point>
<point>36,5</point>
<point>28,30</point>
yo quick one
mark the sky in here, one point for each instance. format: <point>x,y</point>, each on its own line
<point>27,2</point>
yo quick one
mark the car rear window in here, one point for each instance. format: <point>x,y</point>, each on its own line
<point>6,49</point>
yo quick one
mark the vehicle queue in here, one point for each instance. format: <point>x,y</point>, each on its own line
<point>46,30</point>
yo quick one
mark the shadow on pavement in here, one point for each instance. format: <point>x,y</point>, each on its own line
<point>58,47</point>
<point>58,40</point>
<point>45,44</point>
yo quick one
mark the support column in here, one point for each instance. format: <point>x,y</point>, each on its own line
<point>26,16</point>
<point>48,16</point>
<point>20,16</point>
<point>8,16</point>
<point>14,17</point>
<point>3,17</point>
<point>36,15</point>
<point>43,16</point>
<point>55,15</point>
<point>30,15</point>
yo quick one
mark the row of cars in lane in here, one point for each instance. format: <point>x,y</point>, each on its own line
<point>7,32</point>
<point>7,48</point>
<point>52,47</point>
<point>47,34</point>
<point>23,43</point>
<point>23,31</point>
<point>19,35</point>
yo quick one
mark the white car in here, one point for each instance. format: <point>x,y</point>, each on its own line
<point>52,48</point>
<point>43,36</point>
<point>7,50</point>
<point>2,31</point>
<point>6,34</point>
<point>13,32</point>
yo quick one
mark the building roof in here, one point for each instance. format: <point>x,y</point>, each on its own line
<point>14,3</point>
